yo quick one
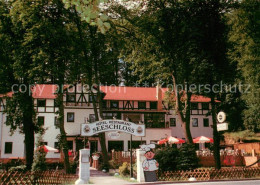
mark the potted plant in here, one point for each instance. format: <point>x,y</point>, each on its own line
<point>95,156</point>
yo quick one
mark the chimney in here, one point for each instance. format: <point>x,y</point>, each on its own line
<point>159,96</point>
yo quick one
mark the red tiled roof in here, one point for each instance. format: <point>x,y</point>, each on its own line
<point>129,93</point>
<point>44,91</point>
<point>140,94</point>
<point>47,91</point>
<point>199,98</point>
<point>9,94</point>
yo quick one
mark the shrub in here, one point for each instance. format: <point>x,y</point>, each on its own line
<point>39,159</point>
<point>73,167</point>
<point>166,157</point>
<point>187,159</point>
<point>113,164</point>
<point>18,168</point>
<point>55,165</point>
<point>103,166</point>
<point>124,170</point>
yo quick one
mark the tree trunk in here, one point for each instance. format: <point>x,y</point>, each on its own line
<point>187,119</point>
<point>63,138</point>
<point>184,119</point>
<point>28,128</point>
<point>102,136</point>
<point>89,66</point>
<point>215,135</point>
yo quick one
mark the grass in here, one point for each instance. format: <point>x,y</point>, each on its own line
<point>127,178</point>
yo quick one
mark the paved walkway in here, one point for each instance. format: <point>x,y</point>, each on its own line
<point>99,177</point>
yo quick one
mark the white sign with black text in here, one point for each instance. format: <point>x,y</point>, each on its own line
<point>222,126</point>
<point>90,129</point>
<point>113,135</point>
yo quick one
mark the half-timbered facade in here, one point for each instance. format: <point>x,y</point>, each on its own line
<point>140,105</point>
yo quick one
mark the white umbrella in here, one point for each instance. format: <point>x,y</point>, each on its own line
<point>49,149</point>
<point>203,139</point>
<point>174,140</point>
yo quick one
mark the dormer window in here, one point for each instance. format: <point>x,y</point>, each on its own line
<point>41,103</point>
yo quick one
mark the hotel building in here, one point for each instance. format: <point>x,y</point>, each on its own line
<point>141,105</point>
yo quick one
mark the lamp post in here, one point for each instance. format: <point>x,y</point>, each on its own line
<point>131,154</point>
<point>131,158</point>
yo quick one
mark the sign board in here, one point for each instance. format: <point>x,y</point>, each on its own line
<point>221,117</point>
<point>90,129</point>
<point>113,135</point>
<point>222,126</point>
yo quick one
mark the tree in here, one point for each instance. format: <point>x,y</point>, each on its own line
<point>160,47</point>
<point>211,44</point>
<point>42,32</point>
<point>6,45</point>
<point>244,39</point>
<point>182,42</point>
<point>20,108</point>
<point>97,58</point>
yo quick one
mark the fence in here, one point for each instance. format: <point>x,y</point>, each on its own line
<point>122,156</point>
<point>248,147</point>
<point>46,177</point>
<point>210,174</point>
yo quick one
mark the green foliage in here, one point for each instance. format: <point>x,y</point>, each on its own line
<point>167,158</point>
<point>6,43</point>
<point>73,167</point>
<point>187,159</point>
<point>90,12</point>
<point>124,170</point>
<point>18,168</point>
<point>244,38</point>
<point>113,164</point>
<point>242,136</point>
<point>39,160</point>
<point>233,105</point>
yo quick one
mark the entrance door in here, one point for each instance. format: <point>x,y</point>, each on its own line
<point>93,146</point>
<point>79,144</point>
<point>115,145</point>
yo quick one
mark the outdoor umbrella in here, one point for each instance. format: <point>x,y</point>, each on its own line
<point>203,139</point>
<point>174,140</point>
<point>171,140</point>
<point>163,141</point>
<point>49,149</point>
